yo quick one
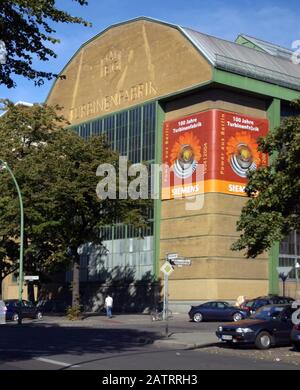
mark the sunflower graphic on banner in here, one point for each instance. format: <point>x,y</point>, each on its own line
<point>183,157</point>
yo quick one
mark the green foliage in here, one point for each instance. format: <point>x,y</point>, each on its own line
<point>56,171</point>
<point>25,29</point>
<point>73,312</point>
<point>273,209</point>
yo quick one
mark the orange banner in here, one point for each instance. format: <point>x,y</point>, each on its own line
<point>223,144</point>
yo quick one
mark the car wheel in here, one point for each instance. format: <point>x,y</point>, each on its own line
<point>39,315</point>
<point>263,340</point>
<point>297,347</point>
<point>237,317</point>
<point>198,317</point>
<point>15,317</point>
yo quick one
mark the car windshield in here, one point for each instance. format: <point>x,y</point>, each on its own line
<point>266,313</point>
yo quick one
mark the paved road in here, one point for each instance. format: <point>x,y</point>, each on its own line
<point>149,358</point>
<point>115,344</point>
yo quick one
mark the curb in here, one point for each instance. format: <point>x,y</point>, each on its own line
<point>185,346</point>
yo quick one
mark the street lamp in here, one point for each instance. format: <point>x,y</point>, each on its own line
<point>283,273</point>
<point>4,165</point>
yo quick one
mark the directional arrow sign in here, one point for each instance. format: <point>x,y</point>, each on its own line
<point>181,262</point>
<point>31,278</point>
<point>172,256</point>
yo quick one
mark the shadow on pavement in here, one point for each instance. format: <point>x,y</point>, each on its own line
<point>32,340</point>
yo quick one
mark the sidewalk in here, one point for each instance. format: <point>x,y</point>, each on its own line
<point>192,340</point>
<point>183,339</point>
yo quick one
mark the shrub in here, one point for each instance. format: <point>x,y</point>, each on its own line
<point>73,312</point>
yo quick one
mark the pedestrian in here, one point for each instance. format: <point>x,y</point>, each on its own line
<point>108,305</point>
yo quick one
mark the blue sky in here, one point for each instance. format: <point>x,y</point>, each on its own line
<point>276,21</point>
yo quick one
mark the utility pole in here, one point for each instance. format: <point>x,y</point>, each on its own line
<point>4,165</point>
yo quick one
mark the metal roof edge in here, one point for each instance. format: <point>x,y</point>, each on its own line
<point>201,49</point>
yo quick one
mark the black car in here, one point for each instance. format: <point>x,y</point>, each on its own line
<point>216,311</point>
<point>295,337</point>
<point>269,326</point>
<point>28,310</point>
<point>252,305</point>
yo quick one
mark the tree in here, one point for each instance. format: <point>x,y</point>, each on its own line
<point>273,209</point>
<point>25,30</point>
<point>78,210</point>
<point>23,134</point>
<point>56,171</point>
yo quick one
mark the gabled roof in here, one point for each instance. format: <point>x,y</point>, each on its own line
<point>261,63</point>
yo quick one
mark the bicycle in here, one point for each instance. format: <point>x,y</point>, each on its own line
<point>157,315</point>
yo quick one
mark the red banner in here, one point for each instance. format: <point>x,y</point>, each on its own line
<point>223,143</point>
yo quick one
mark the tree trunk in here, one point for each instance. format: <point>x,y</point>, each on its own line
<point>76,281</point>
<point>30,291</point>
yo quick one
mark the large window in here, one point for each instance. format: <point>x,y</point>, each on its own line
<point>132,134</point>
<point>290,254</point>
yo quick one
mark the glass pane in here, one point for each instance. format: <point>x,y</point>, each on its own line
<point>289,262</point>
<point>149,122</point>
<point>109,130</point>
<point>291,245</point>
<point>121,133</point>
<point>135,127</point>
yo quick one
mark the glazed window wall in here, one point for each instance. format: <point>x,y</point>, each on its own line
<point>290,254</point>
<point>132,134</point>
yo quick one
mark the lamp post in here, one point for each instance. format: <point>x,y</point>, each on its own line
<point>4,165</point>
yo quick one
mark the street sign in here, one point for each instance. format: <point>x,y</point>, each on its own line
<point>167,269</point>
<point>31,278</point>
<point>180,262</point>
<point>172,256</point>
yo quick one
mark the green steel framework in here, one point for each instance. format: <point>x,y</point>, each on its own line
<point>160,115</point>
<point>274,116</point>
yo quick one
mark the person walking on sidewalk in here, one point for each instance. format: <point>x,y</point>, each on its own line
<point>108,305</point>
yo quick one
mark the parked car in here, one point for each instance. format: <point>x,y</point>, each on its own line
<point>28,310</point>
<point>52,306</point>
<point>269,326</point>
<point>216,311</point>
<point>252,305</point>
<point>295,337</point>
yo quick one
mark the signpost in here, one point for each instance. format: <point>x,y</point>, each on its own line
<point>167,270</point>
<point>4,165</point>
<point>172,259</point>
